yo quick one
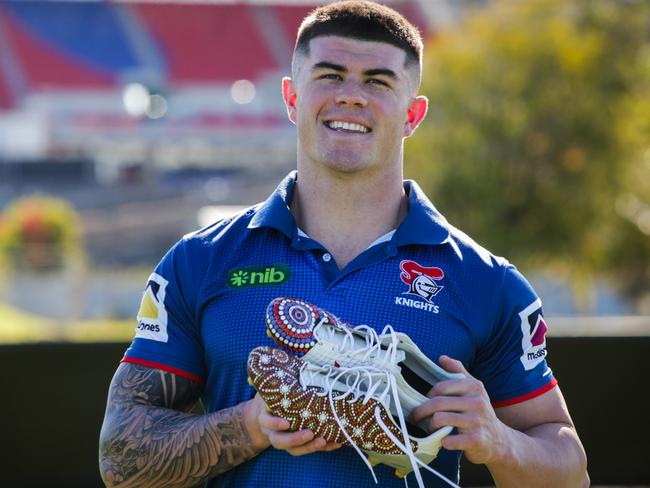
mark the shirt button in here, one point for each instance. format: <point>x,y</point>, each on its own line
<point>327,257</point>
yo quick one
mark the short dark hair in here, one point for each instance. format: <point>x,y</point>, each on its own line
<point>363,20</point>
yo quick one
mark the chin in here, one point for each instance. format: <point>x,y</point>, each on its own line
<point>345,162</point>
<point>347,167</point>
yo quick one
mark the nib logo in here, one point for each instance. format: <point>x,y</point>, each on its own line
<point>258,276</point>
<point>239,278</point>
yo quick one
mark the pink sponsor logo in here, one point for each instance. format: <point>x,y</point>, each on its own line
<point>533,330</point>
<point>539,332</point>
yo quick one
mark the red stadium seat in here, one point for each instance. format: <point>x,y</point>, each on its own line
<point>208,43</point>
<point>44,66</point>
<point>290,18</point>
<point>5,97</point>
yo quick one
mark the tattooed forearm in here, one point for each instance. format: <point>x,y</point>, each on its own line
<point>149,440</point>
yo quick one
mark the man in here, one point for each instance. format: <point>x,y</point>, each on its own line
<point>346,233</point>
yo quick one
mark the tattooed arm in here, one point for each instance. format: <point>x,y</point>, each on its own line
<point>149,439</point>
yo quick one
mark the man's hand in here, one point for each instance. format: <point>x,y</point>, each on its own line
<point>276,431</point>
<point>532,443</point>
<point>464,404</point>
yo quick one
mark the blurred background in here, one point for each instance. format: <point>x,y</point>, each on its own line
<point>124,125</point>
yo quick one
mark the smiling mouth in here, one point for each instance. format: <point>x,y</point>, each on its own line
<point>340,126</point>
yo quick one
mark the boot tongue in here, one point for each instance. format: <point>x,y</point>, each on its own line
<point>328,352</point>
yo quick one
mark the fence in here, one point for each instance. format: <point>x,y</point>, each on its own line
<point>54,397</point>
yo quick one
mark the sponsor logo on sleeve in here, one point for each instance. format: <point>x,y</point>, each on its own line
<point>533,328</point>
<point>152,316</point>
<point>423,282</point>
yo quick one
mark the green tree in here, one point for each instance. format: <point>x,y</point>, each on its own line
<point>537,140</point>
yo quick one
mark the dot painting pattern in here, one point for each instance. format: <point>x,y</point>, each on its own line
<point>274,374</point>
<point>291,323</point>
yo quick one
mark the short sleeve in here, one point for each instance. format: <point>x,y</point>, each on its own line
<point>512,364</point>
<point>167,334</point>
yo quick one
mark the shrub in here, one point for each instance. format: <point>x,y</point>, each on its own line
<point>40,233</point>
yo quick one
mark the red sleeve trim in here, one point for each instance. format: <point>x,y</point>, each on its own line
<point>527,396</point>
<point>164,367</point>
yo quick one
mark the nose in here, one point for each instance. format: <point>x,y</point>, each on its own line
<point>350,93</point>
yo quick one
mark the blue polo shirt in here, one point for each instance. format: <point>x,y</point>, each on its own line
<point>203,311</point>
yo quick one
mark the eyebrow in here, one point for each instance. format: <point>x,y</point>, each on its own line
<point>381,72</point>
<point>342,69</point>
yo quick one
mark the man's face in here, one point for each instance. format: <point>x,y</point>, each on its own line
<point>353,103</point>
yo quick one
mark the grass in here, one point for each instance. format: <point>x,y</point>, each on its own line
<point>18,326</point>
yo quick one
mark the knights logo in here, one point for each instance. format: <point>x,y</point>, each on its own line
<point>422,280</point>
<point>152,316</point>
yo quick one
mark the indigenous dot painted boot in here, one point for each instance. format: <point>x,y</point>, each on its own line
<point>322,339</point>
<point>347,405</point>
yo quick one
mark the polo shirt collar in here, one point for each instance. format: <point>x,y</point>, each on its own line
<point>275,211</point>
<point>423,224</point>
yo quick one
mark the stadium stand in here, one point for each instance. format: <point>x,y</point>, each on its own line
<point>101,44</point>
<point>5,96</point>
<point>64,67</point>
<point>290,17</point>
<point>205,43</point>
<point>65,45</point>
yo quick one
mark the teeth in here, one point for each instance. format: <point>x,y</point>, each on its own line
<point>337,124</point>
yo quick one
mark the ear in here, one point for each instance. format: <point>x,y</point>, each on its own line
<point>415,114</point>
<point>290,97</point>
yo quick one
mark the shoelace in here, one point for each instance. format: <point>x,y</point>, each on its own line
<point>382,355</point>
<point>366,381</point>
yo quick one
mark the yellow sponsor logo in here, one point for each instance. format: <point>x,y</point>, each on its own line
<point>152,316</point>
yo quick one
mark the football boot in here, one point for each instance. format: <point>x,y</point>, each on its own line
<point>346,405</point>
<point>321,338</point>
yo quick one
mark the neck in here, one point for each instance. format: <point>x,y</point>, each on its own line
<point>346,212</point>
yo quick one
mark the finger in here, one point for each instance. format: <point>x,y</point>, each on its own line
<point>450,387</point>
<point>422,411</point>
<point>460,442</point>
<point>268,421</point>
<point>462,421</point>
<point>314,445</point>
<point>440,403</point>
<point>331,446</point>
<point>291,440</point>
<point>458,387</point>
<point>452,365</point>
<point>458,404</point>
